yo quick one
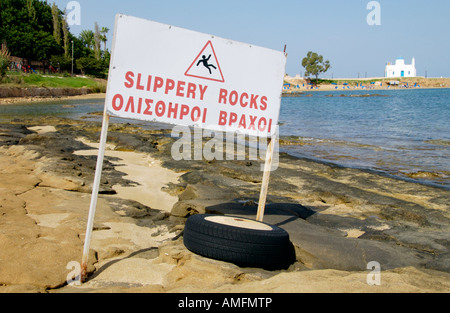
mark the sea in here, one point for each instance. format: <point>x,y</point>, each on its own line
<point>399,133</point>
<point>403,133</point>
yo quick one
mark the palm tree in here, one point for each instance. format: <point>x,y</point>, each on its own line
<point>87,37</point>
<point>97,38</point>
<point>103,38</point>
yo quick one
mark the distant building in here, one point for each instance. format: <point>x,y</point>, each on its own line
<point>400,69</point>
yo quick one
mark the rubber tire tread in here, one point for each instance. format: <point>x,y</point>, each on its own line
<point>270,250</point>
<point>275,236</point>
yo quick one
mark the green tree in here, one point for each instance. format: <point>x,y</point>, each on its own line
<point>87,38</point>
<point>103,38</point>
<point>27,28</point>
<point>62,62</point>
<point>56,23</point>
<point>31,10</point>
<point>97,37</point>
<point>91,66</point>
<point>315,65</point>
<point>66,33</point>
<point>37,31</point>
<point>46,46</point>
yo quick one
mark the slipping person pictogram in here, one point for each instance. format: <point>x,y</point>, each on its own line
<point>205,60</point>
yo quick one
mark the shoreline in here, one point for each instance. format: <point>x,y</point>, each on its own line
<point>16,100</point>
<point>291,93</point>
<point>328,89</point>
<point>444,83</point>
<point>424,83</point>
<point>338,218</point>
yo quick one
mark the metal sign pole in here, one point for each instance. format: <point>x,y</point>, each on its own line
<point>95,190</point>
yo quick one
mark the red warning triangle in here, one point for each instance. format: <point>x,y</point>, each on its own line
<point>206,65</point>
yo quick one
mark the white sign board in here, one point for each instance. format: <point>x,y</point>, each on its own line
<point>172,75</point>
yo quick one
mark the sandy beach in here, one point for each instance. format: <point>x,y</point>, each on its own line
<point>298,84</point>
<point>338,219</point>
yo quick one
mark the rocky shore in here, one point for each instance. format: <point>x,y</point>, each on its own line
<point>338,219</point>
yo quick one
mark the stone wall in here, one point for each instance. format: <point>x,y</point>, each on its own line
<point>14,92</point>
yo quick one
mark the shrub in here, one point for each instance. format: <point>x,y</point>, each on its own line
<point>91,66</point>
<point>4,61</point>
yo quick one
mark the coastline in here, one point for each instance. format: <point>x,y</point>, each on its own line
<point>40,94</point>
<point>424,83</point>
<point>15,100</point>
<point>303,92</point>
<point>428,178</point>
<point>292,92</point>
<point>339,219</point>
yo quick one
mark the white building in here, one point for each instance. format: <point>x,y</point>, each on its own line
<point>400,69</point>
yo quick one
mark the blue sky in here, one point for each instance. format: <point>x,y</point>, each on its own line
<point>336,29</point>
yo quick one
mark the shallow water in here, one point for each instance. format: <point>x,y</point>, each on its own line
<point>76,108</point>
<point>405,133</point>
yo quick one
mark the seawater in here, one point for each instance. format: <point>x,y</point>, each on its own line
<point>404,133</point>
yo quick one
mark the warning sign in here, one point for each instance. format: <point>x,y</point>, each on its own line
<point>148,81</point>
<point>172,75</point>
<point>206,65</point>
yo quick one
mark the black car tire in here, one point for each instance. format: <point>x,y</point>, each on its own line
<point>237,240</point>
